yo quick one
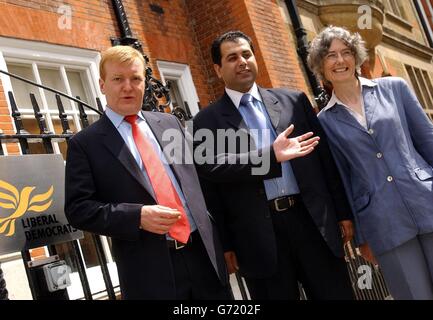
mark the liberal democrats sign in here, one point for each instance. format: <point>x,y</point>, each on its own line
<point>31,202</point>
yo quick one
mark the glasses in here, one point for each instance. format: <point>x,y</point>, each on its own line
<point>333,56</point>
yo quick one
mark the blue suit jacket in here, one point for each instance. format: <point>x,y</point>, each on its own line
<point>386,168</point>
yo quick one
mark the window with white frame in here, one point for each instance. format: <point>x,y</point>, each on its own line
<point>182,87</point>
<point>423,86</point>
<point>69,70</point>
<point>396,7</point>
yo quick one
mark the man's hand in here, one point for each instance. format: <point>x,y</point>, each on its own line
<point>231,262</point>
<point>158,219</point>
<point>289,148</point>
<point>367,254</point>
<point>346,227</point>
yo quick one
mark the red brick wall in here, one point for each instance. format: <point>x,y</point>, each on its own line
<point>92,25</point>
<point>183,33</point>
<point>212,18</point>
<point>170,37</point>
<point>6,126</point>
<point>262,21</point>
<point>278,50</point>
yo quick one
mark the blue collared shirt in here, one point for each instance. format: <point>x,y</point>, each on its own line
<point>125,131</point>
<point>276,187</point>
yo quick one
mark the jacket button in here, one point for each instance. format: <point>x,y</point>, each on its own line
<point>370,131</point>
<point>389,178</point>
<point>379,155</point>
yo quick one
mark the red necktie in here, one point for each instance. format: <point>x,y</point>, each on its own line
<point>165,192</point>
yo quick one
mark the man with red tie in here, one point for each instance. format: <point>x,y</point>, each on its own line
<point>120,183</point>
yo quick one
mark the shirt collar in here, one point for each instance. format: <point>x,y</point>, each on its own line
<point>116,118</point>
<point>334,100</point>
<point>236,96</point>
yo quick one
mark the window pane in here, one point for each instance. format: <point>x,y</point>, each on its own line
<point>31,125</point>
<point>387,5</point>
<point>51,78</point>
<point>429,85</point>
<point>92,117</point>
<point>175,95</point>
<point>415,85</point>
<point>402,10</point>
<point>22,89</point>
<point>77,84</point>
<point>423,87</point>
<point>58,125</point>
<point>395,8</point>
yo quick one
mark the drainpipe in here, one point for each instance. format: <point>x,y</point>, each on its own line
<point>320,94</point>
<point>126,38</point>
<point>424,22</point>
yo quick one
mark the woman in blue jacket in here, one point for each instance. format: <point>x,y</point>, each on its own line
<point>382,142</point>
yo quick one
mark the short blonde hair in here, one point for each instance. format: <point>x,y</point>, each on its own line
<point>119,54</point>
<point>320,45</point>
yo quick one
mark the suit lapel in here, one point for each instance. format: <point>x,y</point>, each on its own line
<point>234,117</point>
<point>344,116</point>
<point>272,106</point>
<point>231,113</point>
<point>114,142</point>
<point>158,129</point>
<point>370,103</point>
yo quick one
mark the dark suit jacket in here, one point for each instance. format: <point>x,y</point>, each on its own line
<point>237,198</point>
<point>105,191</point>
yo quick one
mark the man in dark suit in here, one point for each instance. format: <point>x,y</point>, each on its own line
<point>120,182</point>
<point>281,226</point>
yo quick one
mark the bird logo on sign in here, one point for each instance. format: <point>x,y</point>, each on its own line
<point>20,202</point>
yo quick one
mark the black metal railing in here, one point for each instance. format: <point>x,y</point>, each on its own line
<point>320,95</point>
<point>99,111</point>
<point>45,137</point>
